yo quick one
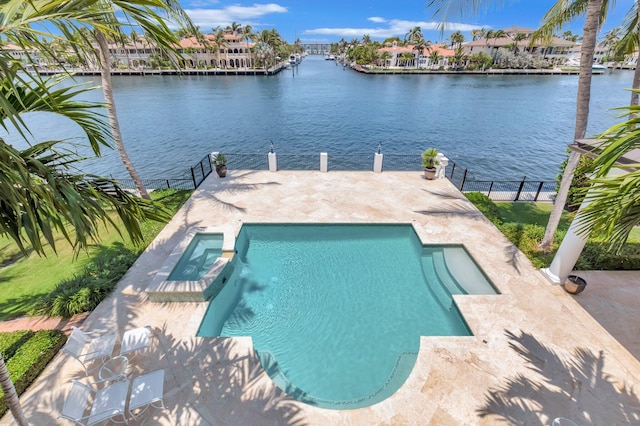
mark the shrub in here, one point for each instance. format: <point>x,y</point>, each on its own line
<point>85,291</point>
<point>31,358</point>
<point>486,206</point>
<point>10,342</point>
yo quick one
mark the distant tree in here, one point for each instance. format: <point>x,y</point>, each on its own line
<point>434,58</point>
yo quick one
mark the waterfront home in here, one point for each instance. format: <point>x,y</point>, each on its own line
<point>234,52</point>
<point>555,49</point>
<point>397,56</point>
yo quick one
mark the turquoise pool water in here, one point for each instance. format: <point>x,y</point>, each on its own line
<point>198,257</point>
<point>336,311</point>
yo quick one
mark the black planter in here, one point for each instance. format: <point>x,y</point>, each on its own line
<point>221,170</point>
<point>574,284</point>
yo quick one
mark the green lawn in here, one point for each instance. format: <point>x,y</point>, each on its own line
<point>538,214</point>
<point>23,281</point>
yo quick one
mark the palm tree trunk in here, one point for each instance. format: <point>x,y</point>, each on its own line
<point>105,74</point>
<point>10,395</point>
<point>582,116</point>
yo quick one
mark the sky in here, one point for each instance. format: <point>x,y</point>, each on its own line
<point>327,21</point>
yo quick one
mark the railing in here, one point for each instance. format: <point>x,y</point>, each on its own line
<point>128,184</point>
<point>362,161</point>
<point>507,190</point>
<point>247,161</point>
<point>402,162</point>
<point>298,161</point>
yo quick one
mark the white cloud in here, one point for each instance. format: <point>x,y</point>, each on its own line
<point>394,27</point>
<point>208,18</point>
<point>377,19</point>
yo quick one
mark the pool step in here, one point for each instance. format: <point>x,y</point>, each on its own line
<point>439,278</point>
<point>445,275</point>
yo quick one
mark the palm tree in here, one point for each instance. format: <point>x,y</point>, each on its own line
<point>384,57</point>
<point>559,14</point>
<point>419,47</point>
<point>414,35</point>
<point>434,58</point>
<point>39,192</point>
<point>568,35</point>
<point>614,208</point>
<point>105,19</point>
<point>220,42</point>
<point>366,39</point>
<point>478,33</point>
<point>247,34</point>
<point>459,57</point>
<point>629,42</point>
<point>407,58</point>
<point>456,38</point>
<point>516,39</point>
<point>562,12</point>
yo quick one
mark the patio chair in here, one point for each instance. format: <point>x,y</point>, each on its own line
<point>99,347</point>
<point>146,390</point>
<point>105,404</point>
<point>135,340</point>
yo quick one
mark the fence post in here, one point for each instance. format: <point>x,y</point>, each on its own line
<point>202,169</point>
<point>490,188</point>
<point>193,176</point>
<point>453,169</point>
<point>464,178</point>
<point>538,191</point>
<point>377,162</point>
<point>520,189</point>
<point>324,162</point>
<point>168,184</point>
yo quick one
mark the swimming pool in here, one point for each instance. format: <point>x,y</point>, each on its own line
<point>336,312</point>
<point>197,259</point>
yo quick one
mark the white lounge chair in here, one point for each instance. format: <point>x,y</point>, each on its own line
<point>135,340</point>
<point>146,390</point>
<point>86,349</point>
<point>104,404</point>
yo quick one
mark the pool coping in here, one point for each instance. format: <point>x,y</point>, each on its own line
<point>163,290</point>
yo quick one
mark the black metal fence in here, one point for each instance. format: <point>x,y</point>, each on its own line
<point>401,162</point>
<point>298,161</point>
<point>507,190</point>
<point>256,161</point>
<point>362,161</point>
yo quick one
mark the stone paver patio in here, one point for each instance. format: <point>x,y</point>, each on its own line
<point>536,354</point>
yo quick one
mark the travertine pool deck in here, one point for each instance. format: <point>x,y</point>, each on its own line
<point>536,354</point>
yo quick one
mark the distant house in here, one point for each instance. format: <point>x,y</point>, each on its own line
<point>554,48</point>
<point>19,54</point>
<point>424,61</point>
<point>233,53</point>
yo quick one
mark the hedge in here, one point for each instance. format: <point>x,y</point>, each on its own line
<point>29,358</point>
<point>527,238</point>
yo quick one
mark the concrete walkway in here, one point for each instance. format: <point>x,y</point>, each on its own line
<point>535,353</point>
<point>43,323</point>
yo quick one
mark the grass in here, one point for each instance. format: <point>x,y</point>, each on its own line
<point>524,225</point>
<point>26,280</point>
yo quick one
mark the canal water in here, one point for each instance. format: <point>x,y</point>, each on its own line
<point>499,127</point>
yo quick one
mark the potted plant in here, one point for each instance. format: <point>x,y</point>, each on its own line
<point>575,284</point>
<point>221,164</point>
<point>429,163</point>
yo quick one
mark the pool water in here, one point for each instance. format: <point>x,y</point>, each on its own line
<point>198,257</point>
<point>335,311</point>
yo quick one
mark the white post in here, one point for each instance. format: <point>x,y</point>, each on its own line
<point>441,173</point>
<point>273,162</point>
<point>571,247</point>
<point>324,162</point>
<point>377,162</point>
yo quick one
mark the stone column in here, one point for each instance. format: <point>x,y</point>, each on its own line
<point>273,162</point>
<point>571,246</point>
<point>441,172</point>
<point>377,162</point>
<point>324,162</point>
